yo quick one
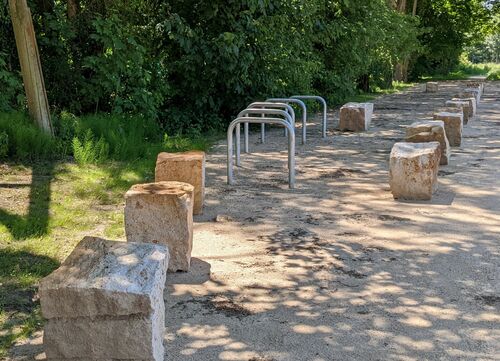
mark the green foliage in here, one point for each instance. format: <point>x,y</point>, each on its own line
<point>4,145</point>
<point>88,150</point>
<point>11,95</point>
<point>494,75</point>
<point>26,142</point>
<point>92,139</point>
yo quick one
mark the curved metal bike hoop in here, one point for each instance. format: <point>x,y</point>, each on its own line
<point>258,120</point>
<point>325,108</point>
<point>301,104</point>
<point>263,112</point>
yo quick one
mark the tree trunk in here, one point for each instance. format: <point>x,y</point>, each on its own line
<point>414,12</point>
<point>31,68</point>
<point>73,8</point>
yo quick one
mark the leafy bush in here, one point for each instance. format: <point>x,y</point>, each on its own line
<point>11,96</point>
<point>494,75</point>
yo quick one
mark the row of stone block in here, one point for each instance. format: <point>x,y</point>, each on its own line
<point>414,164</point>
<point>105,302</point>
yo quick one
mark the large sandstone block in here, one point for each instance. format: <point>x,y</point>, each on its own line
<point>413,170</point>
<point>356,117</point>
<point>476,84</point>
<point>188,167</point>
<point>453,125</point>
<point>106,302</point>
<point>473,92</point>
<point>106,278</point>
<point>463,105</point>
<point>162,213</point>
<point>472,104</point>
<point>431,87</point>
<point>430,131</point>
<point>131,337</point>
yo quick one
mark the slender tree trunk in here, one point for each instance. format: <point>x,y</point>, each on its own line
<point>73,8</point>
<point>414,12</point>
<point>31,68</point>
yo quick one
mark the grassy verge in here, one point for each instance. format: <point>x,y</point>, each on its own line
<point>466,70</point>
<point>365,97</point>
<point>48,202</point>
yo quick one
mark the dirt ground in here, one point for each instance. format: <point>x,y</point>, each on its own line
<point>336,269</point>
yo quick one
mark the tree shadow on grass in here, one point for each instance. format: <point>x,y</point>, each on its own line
<point>35,223</point>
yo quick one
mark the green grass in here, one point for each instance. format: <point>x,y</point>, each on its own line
<point>366,97</point>
<point>466,70</point>
<point>49,203</point>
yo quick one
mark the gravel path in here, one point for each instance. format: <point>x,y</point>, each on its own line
<point>336,269</point>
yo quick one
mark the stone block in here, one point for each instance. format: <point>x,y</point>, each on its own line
<point>162,213</point>
<point>472,103</point>
<point>356,117</point>
<point>187,167</point>
<point>131,337</point>
<point>453,125</point>
<point>431,87</point>
<point>463,105</point>
<point>475,84</point>
<point>474,93</point>
<point>430,131</point>
<point>413,170</point>
<point>105,278</point>
<point>106,302</point>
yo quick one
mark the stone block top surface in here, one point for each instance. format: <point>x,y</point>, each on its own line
<point>412,150</point>
<point>427,124</point>
<point>457,102</point>
<point>193,155</point>
<point>448,114</point>
<point>358,105</point>
<point>102,277</point>
<point>165,188</point>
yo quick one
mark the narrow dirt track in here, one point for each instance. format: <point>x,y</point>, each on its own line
<point>336,269</point>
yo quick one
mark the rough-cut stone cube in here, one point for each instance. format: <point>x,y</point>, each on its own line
<point>131,337</point>
<point>463,105</point>
<point>413,170</point>
<point>101,284</point>
<point>431,87</point>
<point>430,131</point>
<point>356,117</point>
<point>475,84</point>
<point>474,93</point>
<point>188,167</point>
<point>472,104</point>
<point>162,213</point>
<point>453,125</point>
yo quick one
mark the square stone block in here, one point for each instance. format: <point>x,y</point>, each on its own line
<point>413,170</point>
<point>463,105</point>
<point>356,117</point>
<point>475,84</point>
<point>453,124</point>
<point>162,213</point>
<point>474,93</point>
<point>106,278</point>
<point>430,131</point>
<point>106,302</point>
<point>472,104</point>
<point>187,167</point>
<point>431,87</point>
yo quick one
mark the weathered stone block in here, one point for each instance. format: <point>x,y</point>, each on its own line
<point>187,167</point>
<point>356,117</point>
<point>472,104</point>
<point>162,213</point>
<point>106,302</point>
<point>431,87</point>
<point>413,170</point>
<point>106,278</point>
<point>463,105</point>
<point>132,337</point>
<point>430,131</point>
<point>453,125</point>
<point>475,84</point>
<point>474,93</point>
